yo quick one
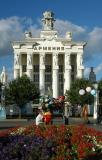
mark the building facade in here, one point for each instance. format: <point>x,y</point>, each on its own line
<point>50,61</point>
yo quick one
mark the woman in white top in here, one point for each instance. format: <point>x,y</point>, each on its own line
<point>39,118</point>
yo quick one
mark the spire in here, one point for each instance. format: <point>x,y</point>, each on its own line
<point>4,70</point>
<point>48,20</point>
<point>92,75</point>
<point>3,76</point>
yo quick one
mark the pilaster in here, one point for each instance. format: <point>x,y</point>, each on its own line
<point>30,64</point>
<point>17,61</point>
<point>80,67</point>
<point>67,73</point>
<point>42,73</point>
<point>55,79</point>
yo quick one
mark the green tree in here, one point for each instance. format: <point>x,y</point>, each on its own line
<point>73,95</point>
<point>20,91</point>
<point>100,91</point>
<point>0,90</point>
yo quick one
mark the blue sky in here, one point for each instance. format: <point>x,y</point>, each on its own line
<point>82,17</point>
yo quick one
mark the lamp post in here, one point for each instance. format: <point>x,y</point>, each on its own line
<point>96,100</point>
<point>93,92</point>
<point>83,91</point>
<point>3,96</point>
<point>3,112</point>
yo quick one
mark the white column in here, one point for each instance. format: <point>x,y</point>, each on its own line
<point>30,65</point>
<point>67,73</point>
<point>42,74</point>
<point>55,79</point>
<point>20,65</point>
<point>80,67</point>
<point>16,64</point>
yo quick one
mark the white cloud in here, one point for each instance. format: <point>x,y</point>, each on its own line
<point>98,69</point>
<point>11,29</point>
<point>65,26</point>
<point>94,45</point>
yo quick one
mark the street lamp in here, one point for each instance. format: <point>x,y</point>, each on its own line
<point>83,91</point>
<point>3,96</point>
<point>96,100</point>
<point>93,92</point>
<point>2,110</point>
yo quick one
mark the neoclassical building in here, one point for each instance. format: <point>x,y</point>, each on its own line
<point>50,61</point>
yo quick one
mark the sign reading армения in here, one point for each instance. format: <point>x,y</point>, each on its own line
<point>49,48</point>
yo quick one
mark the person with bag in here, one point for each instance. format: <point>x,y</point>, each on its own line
<point>66,113</point>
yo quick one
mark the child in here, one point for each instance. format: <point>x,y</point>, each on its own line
<point>47,117</point>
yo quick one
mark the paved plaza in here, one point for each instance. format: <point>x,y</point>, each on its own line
<point>9,123</point>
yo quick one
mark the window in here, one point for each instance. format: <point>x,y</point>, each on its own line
<point>36,68</point>
<point>37,85</point>
<point>72,68</point>
<point>48,77</point>
<point>24,68</point>
<point>58,48</point>
<point>49,48</point>
<point>72,77</point>
<point>62,48</point>
<point>53,48</point>
<point>36,77</point>
<point>60,77</point>
<point>48,68</point>
<point>60,68</point>
<point>48,85</point>
<point>61,89</point>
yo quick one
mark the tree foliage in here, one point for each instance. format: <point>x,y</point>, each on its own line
<point>0,90</point>
<point>100,91</point>
<point>73,95</point>
<point>20,91</point>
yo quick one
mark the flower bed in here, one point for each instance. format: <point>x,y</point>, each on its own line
<point>51,143</point>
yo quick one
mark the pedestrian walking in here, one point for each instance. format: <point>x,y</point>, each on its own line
<point>66,113</point>
<point>85,113</point>
<point>79,110</point>
<point>99,117</point>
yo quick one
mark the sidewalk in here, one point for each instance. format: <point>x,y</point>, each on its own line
<point>72,120</point>
<point>13,120</point>
<point>9,123</point>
